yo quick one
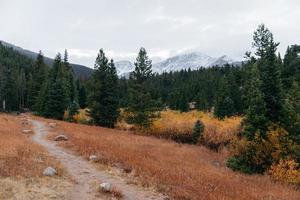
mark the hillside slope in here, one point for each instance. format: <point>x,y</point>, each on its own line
<point>79,70</point>
<point>181,171</point>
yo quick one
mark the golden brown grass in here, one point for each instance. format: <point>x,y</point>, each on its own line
<point>19,156</point>
<point>179,126</point>
<point>181,171</point>
<point>177,122</point>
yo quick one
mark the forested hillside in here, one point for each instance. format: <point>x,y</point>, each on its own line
<point>26,83</point>
<point>80,71</point>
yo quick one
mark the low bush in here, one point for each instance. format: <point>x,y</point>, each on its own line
<point>286,171</point>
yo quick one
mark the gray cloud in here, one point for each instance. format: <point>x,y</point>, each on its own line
<point>163,27</point>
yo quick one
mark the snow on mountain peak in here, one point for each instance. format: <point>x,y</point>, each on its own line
<point>193,60</point>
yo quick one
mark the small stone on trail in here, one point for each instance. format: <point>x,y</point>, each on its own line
<point>93,158</point>
<point>49,171</point>
<point>27,131</point>
<point>105,187</point>
<point>61,138</point>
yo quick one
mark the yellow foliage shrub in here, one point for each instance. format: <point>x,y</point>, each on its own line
<point>82,117</point>
<point>175,122</point>
<point>179,125</point>
<point>286,171</point>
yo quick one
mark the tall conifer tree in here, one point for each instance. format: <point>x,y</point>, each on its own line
<point>104,101</point>
<point>269,72</point>
<point>38,76</point>
<point>141,105</point>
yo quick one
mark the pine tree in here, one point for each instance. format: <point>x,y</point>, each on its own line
<point>69,74</point>
<point>292,112</point>
<point>179,100</point>
<point>234,91</point>
<point>255,120</point>
<point>8,90</point>
<point>197,131</point>
<point>183,102</point>
<point>82,96</point>
<point>141,105</point>
<point>72,110</point>
<point>224,105</point>
<point>291,69</point>
<point>201,101</point>
<point>269,72</point>
<point>38,76</point>
<point>104,100</point>
<point>22,88</point>
<point>56,94</point>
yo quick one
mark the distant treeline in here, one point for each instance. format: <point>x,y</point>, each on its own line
<point>31,84</point>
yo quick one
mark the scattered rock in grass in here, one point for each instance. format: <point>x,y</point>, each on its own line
<point>52,125</point>
<point>216,163</point>
<point>93,158</point>
<point>27,131</point>
<point>105,187</point>
<point>49,171</point>
<point>61,138</point>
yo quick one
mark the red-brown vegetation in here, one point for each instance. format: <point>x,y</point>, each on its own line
<point>181,171</point>
<point>19,156</point>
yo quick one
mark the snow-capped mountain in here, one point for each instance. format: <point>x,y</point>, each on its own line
<point>192,60</point>
<point>124,68</point>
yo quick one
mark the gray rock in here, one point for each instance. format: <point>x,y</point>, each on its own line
<point>105,187</point>
<point>49,171</point>
<point>52,125</point>
<point>61,138</point>
<point>216,163</point>
<point>93,158</point>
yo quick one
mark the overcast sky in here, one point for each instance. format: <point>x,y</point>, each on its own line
<point>163,27</point>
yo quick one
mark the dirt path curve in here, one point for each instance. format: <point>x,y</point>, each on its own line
<point>84,174</point>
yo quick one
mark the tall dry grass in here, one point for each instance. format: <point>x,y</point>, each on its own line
<point>174,124</point>
<point>181,171</point>
<point>19,156</point>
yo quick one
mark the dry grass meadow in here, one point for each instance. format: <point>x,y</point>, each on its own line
<point>22,163</point>
<point>179,170</point>
<point>179,126</point>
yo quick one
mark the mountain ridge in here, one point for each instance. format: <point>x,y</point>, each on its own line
<point>80,71</point>
<point>193,61</point>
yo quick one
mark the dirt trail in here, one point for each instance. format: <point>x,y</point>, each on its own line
<point>85,174</point>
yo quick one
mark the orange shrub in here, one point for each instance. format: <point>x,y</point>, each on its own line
<point>286,171</point>
<point>175,122</point>
<point>216,132</point>
<point>82,117</point>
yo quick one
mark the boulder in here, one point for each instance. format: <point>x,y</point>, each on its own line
<point>93,158</point>
<point>105,187</point>
<point>61,138</point>
<point>27,131</point>
<point>49,171</point>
